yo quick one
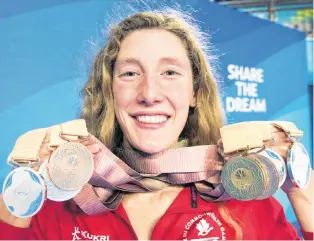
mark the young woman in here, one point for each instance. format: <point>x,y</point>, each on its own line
<point>152,89</point>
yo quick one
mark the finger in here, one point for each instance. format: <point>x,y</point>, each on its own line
<point>282,142</point>
<point>47,136</point>
<point>279,135</point>
<point>89,141</point>
<point>44,148</point>
<point>94,148</point>
<point>275,129</point>
<point>44,152</point>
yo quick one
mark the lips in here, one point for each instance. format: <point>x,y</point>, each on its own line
<point>150,120</point>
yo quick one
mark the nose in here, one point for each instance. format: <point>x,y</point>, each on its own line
<point>149,92</point>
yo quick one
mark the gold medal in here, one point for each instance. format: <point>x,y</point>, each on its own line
<point>272,176</point>
<point>243,178</point>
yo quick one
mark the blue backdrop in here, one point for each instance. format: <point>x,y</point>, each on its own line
<point>46,50</point>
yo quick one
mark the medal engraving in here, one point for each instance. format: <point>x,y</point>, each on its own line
<point>243,178</point>
<point>71,166</point>
<point>54,193</point>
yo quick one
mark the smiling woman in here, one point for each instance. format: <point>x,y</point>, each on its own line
<point>152,91</point>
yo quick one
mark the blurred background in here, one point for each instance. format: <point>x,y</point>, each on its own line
<point>264,67</point>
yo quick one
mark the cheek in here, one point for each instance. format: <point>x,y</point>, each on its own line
<point>121,102</point>
<point>122,97</point>
<point>181,96</point>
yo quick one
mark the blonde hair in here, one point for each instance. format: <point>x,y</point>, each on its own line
<point>204,120</point>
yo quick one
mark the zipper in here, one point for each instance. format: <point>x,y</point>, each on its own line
<point>193,196</point>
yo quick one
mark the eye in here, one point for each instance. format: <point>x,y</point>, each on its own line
<point>128,74</point>
<point>171,73</point>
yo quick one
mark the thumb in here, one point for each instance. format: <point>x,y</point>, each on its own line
<point>44,151</point>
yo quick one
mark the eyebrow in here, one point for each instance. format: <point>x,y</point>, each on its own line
<point>128,61</point>
<point>125,61</point>
<point>172,60</point>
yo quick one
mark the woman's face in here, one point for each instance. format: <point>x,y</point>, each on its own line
<point>152,88</point>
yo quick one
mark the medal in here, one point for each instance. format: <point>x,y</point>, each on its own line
<point>299,165</point>
<point>243,178</point>
<point>272,177</point>
<point>54,193</point>
<point>24,192</point>
<point>70,166</point>
<point>279,162</point>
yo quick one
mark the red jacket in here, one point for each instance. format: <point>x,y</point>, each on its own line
<point>262,219</point>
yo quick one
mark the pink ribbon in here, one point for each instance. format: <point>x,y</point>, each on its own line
<point>112,177</point>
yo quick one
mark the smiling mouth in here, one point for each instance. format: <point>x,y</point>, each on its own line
<point>150,121</point>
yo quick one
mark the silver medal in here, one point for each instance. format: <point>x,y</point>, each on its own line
<point>54,193</point>
<point>299,165</point>
<point>70,166</point>
<point>24,192</point>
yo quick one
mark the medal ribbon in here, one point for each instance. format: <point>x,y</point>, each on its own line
<point>27,146</point>
<point>112,177</point>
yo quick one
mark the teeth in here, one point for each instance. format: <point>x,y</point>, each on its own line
<point>151,118</point>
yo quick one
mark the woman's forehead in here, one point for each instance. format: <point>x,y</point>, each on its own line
<point>152,45</point>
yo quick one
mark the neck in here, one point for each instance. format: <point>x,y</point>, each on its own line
<point>129,154</point>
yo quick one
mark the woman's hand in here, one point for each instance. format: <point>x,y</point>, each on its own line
<point>281,146</point>
<point>44,151</point>
<point>5,215</point>
<point>300,199</point>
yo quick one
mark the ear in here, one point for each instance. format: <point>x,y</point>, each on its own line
<point>193,101</point>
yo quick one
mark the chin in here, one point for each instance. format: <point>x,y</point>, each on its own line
<point>151,149</point>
